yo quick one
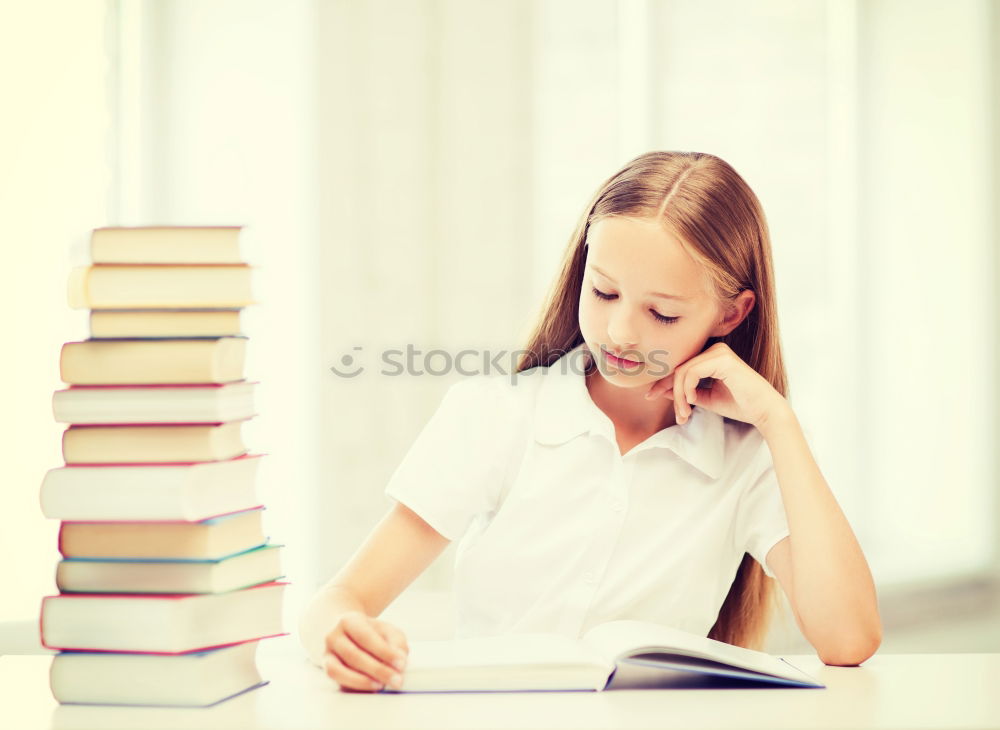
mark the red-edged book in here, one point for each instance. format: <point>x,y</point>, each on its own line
<point>166,491</point>
<point>161,624</point>
<point>120,404</point>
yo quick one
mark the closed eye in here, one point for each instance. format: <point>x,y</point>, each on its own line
<point>659,317</point>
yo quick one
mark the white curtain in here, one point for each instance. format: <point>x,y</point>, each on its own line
<point>410,172</point>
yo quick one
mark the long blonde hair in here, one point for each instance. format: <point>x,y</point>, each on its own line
<point>720,223</point>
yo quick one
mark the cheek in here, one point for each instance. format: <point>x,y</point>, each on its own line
<point>672,344</point>
<point>682,347</point>
<point>591,317</point>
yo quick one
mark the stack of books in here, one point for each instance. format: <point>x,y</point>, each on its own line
<point>167,581</point>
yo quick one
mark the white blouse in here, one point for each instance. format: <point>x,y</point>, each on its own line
<point>585,535</point>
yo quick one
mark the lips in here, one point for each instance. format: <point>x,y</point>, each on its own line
<point>619,360</point>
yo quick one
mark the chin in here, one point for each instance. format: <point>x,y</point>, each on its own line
<point>627,382</point>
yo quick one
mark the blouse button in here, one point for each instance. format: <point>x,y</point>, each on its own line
<point>616,506</point>
<point>588,577</point>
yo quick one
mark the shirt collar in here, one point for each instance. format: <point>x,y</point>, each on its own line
<point>565,410</point>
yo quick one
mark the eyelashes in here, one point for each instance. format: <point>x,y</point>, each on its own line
<point>659,317</point>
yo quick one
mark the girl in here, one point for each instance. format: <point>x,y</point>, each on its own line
<point>645,462</point>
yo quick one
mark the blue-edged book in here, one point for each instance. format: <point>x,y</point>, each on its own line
<point>192,679</point>
<point>261,564</point>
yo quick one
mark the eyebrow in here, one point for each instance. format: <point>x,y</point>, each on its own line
<point>652,294</point>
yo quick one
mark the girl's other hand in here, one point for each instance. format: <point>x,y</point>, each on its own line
<point>735,390</point>
<point>364,653</point>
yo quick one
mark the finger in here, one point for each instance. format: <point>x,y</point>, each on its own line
<point>678,391</point>
<point>346,677</point>
<point>697,397</point>
<point>689,385</point>
<point>365,634</point>
<point>358,659</point>
<point>397,640</point>
<point>706,397</point>
<point>692,392</point>
<point>685,396</point>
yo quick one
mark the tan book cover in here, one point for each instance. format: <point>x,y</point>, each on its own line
<point>210,539</point>
<point>165,322</point>
<point>138,444</point>
<point>165,245</point>
<point>121,286</point>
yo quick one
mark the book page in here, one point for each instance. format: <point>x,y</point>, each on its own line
<point>617,640</point>
<point>507,650</point>
<point>633,675</point>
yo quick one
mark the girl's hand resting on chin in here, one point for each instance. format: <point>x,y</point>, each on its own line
<point>737,391</point>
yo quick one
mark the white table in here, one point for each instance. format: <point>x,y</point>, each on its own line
<point>889,691</point>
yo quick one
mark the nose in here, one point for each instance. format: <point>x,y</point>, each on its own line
<point>622,331</point>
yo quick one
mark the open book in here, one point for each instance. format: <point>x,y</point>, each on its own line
<point>625,654</point>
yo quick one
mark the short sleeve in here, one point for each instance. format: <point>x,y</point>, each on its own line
<point>453,466</point>
<point>760,516</point>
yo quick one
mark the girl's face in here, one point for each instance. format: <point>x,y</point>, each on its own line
<point>644,297</point>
